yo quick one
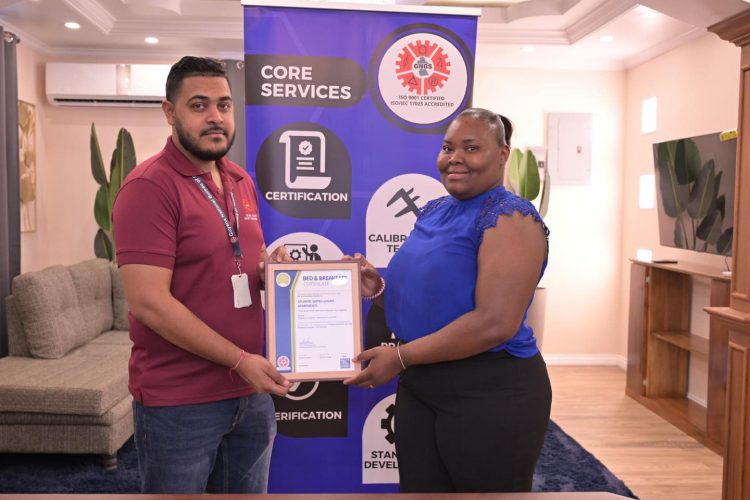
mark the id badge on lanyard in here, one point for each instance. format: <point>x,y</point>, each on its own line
<point>240,282</point>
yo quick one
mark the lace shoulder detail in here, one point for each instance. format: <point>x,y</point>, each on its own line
<point>505,203</point>
<point>432,205</point>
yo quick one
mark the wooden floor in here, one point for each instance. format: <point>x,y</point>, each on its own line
<point>655,459</point>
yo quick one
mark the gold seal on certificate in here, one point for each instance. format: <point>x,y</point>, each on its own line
<point>313,319</point>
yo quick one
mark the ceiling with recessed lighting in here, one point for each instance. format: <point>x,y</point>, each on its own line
<point>594,34</point>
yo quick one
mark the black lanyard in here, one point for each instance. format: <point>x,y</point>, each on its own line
<point>234,238</point>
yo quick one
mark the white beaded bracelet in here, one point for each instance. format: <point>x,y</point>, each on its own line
<point>378,293</point>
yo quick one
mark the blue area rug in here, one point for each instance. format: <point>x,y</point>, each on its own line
<point>563,466</point>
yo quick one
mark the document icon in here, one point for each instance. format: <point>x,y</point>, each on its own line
<point>305,159</point>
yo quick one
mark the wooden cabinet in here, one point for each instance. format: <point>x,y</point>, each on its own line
<point>734,321</point>
<point>660,345</point>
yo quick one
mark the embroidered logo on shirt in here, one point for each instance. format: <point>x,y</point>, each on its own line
<point>250,214</point>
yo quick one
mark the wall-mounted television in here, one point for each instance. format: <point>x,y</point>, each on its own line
<point>695,192</point>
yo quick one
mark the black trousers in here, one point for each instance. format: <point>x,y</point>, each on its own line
<point>473,425</point>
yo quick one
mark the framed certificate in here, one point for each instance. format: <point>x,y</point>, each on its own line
<point>313,319</point>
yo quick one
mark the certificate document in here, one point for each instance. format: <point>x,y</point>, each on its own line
<point>313,319</point>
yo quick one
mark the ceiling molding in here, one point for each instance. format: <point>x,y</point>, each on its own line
<point>533,8</point>
<point>734,29</point>
<point>226,30</point>
<point>94,13</point>
<point>499,35</point>
<point>147,54</point>
<point>26,39</point>
<point>664,47</point>
<point>174,6</point>
<point>598,17</point>
<point>506,12</point>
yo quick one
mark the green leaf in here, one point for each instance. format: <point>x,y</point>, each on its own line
<point>523,174</point>
<point>529,176</point>
<point>665,152</point>
<point>102,209</point>
<point>122,163</point>
<point>679,236</point>
<point>97,163</point>
<point>514,165</point>
<point>709,229</point>
<point>126,153</point>
<point>115,178</point>
<point>724,245</point>
<point>703,192</point>
<point>103,246</point>
<point>544,200</point>
<point>687,161</point>
<point>674,196</point>
<point>720,204</point>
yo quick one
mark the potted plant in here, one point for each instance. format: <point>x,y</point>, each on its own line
<point>123,161</point>
<point>525,180</point>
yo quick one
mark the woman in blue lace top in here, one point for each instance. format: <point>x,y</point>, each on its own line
<point>473,398</point>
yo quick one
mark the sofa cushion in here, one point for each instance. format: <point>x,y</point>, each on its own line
<point>17,345</point>
<point>119,304</point>
<point>62,308</point>
<point>113,337</point>
<point>113,415</point>
<point>47,305</point>
<point>88,381</point>
<point>93,282</point>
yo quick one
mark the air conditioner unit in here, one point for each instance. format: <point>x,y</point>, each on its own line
<point>121,85</point>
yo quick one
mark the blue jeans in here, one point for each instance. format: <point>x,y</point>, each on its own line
<point>219,447</point>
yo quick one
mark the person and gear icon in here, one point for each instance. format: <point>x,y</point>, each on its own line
<point>297,250</point>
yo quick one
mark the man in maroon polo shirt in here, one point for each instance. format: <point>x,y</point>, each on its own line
<point>190,249</point>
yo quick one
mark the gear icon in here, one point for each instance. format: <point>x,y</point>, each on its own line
<point>423,67</point>
<point>387,424</point>
<point>295,254</point>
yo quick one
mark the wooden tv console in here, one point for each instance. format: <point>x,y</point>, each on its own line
<point>660,345</point>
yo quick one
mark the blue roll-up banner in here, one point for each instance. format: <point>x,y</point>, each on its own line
<point>346,106</point>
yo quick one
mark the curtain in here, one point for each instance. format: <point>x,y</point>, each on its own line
<point>236,76</point>
<point>10,220</point>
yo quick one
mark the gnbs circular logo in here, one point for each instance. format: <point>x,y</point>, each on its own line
<point>420,77</point>
<point>423,67</point>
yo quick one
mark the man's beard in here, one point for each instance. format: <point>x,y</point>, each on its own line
<point>194,149</point>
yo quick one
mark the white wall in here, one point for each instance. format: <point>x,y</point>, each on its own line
<point>65,187</point>
<point>697,89</point>
<point>583,275</point>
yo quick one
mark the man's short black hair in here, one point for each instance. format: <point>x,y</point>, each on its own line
<point>192,66</point>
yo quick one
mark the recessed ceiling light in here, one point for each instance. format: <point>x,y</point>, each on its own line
<point>528,48</point>
<point>606,38</point>
<point>72,25</point>
<point>151,39</point>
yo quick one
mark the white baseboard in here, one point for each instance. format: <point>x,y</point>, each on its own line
<point>585,360</point>
<point>698,400</point>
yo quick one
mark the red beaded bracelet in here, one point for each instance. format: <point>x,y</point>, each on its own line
<point>378,293</point>
<point>243,355</point>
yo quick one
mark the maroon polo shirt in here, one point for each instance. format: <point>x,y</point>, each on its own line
<point>162,218</point>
